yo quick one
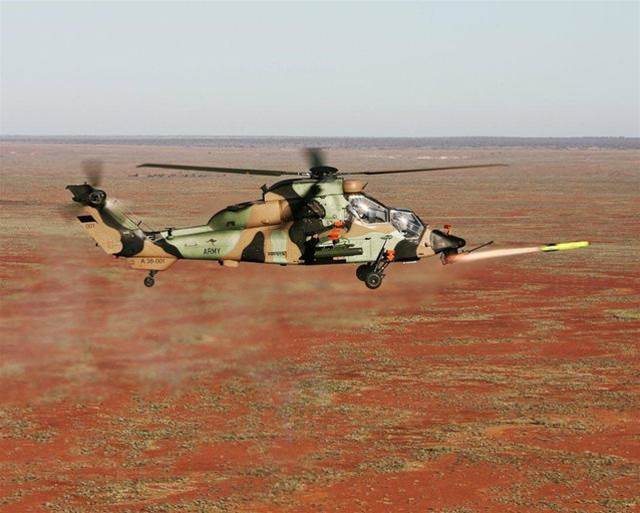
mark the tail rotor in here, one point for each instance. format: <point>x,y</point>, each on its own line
<point>86,194</point>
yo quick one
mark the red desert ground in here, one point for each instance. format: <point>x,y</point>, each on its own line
<point>502,385</point>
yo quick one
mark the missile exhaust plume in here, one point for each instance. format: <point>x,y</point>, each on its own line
<point>496,253</point>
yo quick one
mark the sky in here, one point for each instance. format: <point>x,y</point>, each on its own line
<point>320,69</point>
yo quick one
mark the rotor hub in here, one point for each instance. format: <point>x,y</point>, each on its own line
<point>322,171</point>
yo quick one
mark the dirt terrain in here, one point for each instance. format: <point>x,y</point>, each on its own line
<point>506,385</point>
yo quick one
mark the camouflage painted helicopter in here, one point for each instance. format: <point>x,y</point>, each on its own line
<point>319,217</point>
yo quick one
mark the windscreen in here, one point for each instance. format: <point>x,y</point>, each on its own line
<point>407,222</point>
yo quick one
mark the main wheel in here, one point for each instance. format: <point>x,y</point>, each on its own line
<point>362,271</point>
<point>149,281</point>
<point>373,280</point>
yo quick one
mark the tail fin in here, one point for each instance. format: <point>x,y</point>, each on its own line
<point>116,233</point>
<point>109,226</point>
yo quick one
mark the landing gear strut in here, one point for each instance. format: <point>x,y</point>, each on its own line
<point>149,281</point>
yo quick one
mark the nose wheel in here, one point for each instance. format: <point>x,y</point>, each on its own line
<point>149,281</point>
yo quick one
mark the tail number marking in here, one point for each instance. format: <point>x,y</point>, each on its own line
<point>147,260</point>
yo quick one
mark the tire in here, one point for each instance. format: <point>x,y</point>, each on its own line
<point>362,271</point>
<point>373,280</point>
<point>149,281</point>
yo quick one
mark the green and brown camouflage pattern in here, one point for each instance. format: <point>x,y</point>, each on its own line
<point>298,221</point>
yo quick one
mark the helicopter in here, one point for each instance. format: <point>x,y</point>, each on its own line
<point>317,217</point>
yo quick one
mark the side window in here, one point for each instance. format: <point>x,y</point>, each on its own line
<point>368,210</point>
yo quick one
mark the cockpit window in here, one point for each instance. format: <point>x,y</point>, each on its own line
<point>407,222</point>
<point>368,210</point>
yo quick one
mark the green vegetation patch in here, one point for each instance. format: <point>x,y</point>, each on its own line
<point>626,315</point>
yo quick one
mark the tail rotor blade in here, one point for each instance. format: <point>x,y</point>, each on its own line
<point>93,170</point>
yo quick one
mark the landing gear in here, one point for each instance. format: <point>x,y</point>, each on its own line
<point>373,273</point>
<point>149,281</point>
<point>373,280</point>
<point>362,271</point>
<point>367,273</point>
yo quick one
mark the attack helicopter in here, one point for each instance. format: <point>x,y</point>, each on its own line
<point>319,216</point>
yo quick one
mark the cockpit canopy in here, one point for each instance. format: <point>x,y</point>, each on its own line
<point>370,211</point>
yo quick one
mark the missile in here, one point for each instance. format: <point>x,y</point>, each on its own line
<point>562,246</point>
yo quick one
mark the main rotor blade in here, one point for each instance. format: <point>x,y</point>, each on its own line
<point>315,157</point>
<point>208,169</point>
<point>421,170</point>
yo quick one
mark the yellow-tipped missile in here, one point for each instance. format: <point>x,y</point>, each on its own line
<point>562,246</point>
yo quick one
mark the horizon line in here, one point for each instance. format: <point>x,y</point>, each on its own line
<point>232,136</point>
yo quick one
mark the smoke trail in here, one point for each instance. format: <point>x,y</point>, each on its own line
<point>495,253</point>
